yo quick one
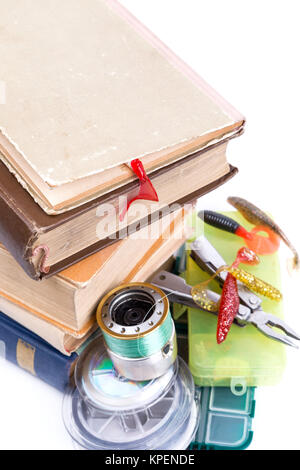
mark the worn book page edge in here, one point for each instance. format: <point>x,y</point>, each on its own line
<point>45,203</point>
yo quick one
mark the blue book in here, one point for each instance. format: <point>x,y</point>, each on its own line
<point>27,350</point>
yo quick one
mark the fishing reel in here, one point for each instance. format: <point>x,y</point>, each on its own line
<point>138,331</point>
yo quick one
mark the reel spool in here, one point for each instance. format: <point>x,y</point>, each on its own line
<point>138,330</point>
<point>105,411</point>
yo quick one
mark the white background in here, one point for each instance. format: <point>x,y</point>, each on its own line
<point>249,52</point>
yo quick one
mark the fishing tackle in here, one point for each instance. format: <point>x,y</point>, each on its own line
<point>256,216</point>
<point>252,282</point>
<point>260,244</point>
<point>138,330</point>
<point>146,190</point>
<point>250,309</point>
<point>229,307</point>
<point>255,284</point>
<point>245,256</point>
<point>200,298</point>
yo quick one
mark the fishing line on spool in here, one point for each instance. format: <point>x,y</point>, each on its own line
<point>138,330</point>
<point>143,346</point>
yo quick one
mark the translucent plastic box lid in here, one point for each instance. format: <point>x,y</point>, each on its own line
<point>247,357</point>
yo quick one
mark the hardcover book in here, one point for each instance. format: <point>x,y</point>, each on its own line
<point>71,237</point>
<point>61,309</point>
<point>27,350</point>
<point>79,107</point>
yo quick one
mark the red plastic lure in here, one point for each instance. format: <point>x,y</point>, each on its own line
<point>146,189</point>
<point>229,306</point>
<point>229,303</point>
<point>245,256</point>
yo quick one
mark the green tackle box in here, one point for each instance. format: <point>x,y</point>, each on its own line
<point>247,358</point>
<point>225,419</point>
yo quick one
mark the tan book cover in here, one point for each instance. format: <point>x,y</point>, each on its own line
<point>87,89</point>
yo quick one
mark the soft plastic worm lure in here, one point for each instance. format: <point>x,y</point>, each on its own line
<point>260,244</point>
<point>252,282</point>
<point>257,217</point>
<point>246,256</point>
<point>200,298</point>
<point>255,284</point>
<point>229,306</point>
<point>146,189</point>
<point>229,302</point>
<point>199,293</point>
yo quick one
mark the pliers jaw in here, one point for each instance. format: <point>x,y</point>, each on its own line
<point>266,322</point>
<point>250,310</point>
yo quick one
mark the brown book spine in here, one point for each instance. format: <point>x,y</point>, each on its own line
<point>17,233</point>
<point>108,241</point>
<point>22,221</point>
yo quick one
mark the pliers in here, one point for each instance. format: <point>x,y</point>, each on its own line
<point>250,310</point>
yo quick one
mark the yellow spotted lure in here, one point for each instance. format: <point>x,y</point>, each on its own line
<point>228,304</point>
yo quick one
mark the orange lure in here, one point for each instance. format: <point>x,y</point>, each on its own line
<point>262,245</point>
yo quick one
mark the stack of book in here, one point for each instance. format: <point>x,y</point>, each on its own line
<point>87,91</point>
